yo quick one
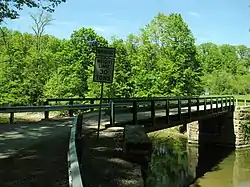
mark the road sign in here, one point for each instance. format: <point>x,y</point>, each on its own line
<point>104,65</point>
<point>104,70</point>
<point>105,52</point>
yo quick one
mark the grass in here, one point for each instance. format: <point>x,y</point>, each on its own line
<point>172,132</point>
<point>25,117</point>
<point>5,119</point>
<point>243,97</point>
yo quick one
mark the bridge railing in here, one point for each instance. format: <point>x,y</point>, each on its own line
<point>124,105</point>
<point>242,102</point>
<point>124,101</point>
<point>72,101</point>
<point>192,105</point>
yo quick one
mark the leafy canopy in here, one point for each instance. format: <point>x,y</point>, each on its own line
<point>9,8</point>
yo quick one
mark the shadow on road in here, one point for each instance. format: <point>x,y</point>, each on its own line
<point>34,154</point>
<point>43,164</point>
<point>17,136</point>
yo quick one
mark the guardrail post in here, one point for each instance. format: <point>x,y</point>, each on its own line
<point>217,105</point>
<point>134,112</point>
<point>245,102</point>
<point>112,113</point>
<point>70,111</point>
<point>189,108</point>
<point>236,102</point>
<point>230,107</point>
<point>205,106</point>
<point>221,104</point>
<point>11,117</point>
<point>46,113</point>
<point>211,104</point>
<point>92,101</point>
<point>153,112</point>
<point>233,104</point>
<point>226,103</point>
<point>179,109</point>
<point>167,111</point>
<point>198,106</point>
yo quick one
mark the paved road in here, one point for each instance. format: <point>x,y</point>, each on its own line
<point>35,154</point>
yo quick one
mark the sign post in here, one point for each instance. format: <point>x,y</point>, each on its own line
<point>103,72</point>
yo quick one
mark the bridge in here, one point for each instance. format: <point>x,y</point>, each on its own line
<point>207,119</point>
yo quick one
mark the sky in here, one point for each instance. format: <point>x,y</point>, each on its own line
<point>217,21</point>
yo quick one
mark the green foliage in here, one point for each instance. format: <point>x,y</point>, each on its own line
<point>226,68</point>
<point>161,60</point>
<point>246,131</point>
<point>65,82</point>
<point>245,123</point>
<point>166,59</point>
<point>9,8</point>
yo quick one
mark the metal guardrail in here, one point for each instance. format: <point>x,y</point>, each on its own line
<point>74,153</point>
<point>46,109</point>
<point>49,108</point>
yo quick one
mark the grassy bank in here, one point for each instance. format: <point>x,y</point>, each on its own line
<point>244,97</point>
<point>164,134</point>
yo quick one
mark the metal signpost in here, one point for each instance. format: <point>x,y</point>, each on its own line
<point>103,72</point>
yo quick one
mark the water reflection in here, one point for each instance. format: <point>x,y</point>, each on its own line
<point>242,168</point>
<point>169,164</point>
<point>174,163</point>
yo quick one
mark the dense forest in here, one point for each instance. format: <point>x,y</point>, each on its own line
<point>160,60</point>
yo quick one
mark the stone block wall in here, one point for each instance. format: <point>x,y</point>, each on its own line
<point>231,129</point>
<point>193,132</point>
<point>217,129</point>
<point>242,127</point>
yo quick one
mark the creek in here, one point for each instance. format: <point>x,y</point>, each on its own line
<point>174,163</point>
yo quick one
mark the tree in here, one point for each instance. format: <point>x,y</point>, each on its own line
<point>229,58</point>
<point>225,67</point>
<point>168,57</point>
<point>76,61</point>
<point>9,8</point>
<point>41,20</point>
<point>122,85</point>
<point>161,60</point>
<point>13,68</point>
<point>210,57</point>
